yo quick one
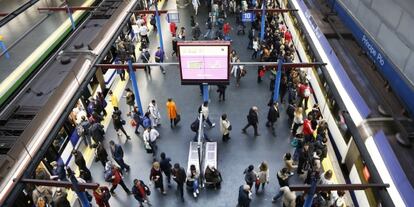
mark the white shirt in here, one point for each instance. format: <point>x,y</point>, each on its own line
<point>204,111</point>
<point>151,135</point>
<point>143,30</point>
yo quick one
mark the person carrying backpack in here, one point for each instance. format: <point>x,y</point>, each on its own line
<point>102,196</point>
<point>141,192</point>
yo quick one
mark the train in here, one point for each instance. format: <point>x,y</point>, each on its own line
<point>362,151</point>
<point>39,112</point>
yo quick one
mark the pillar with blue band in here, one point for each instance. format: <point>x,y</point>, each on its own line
<point>134,85</point>
<point>205,92</point>
<point>277,81</point>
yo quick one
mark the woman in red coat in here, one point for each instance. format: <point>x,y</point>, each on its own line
<point>173,29</point>
<point>102,196</point>
<point>117,178</point>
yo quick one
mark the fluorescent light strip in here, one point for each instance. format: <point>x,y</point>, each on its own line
<point>384,173</point>
<point>356,116</point>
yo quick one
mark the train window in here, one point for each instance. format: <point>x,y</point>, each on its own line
<point>59,141</point>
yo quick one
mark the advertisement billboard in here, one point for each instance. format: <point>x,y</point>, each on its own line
<point>204,62</point>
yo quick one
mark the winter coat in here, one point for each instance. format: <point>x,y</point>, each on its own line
<point>61,200</point>
<point>179,175</point>
<point>273,114</point>
<point>224,126</point>
<point>244,199</point>
<point>252,118</point>
<point>283,179</point>
<point>42,191</point>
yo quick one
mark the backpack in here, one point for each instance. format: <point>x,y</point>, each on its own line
<point>80,130</point>
<point>108,175</point>
<point>194,126</point>
<point>106,195</point>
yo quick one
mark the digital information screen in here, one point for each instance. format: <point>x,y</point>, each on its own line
<point>204,62</point>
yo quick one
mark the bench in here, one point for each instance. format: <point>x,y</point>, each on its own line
<point>193,157</point>
<point>210,158</point>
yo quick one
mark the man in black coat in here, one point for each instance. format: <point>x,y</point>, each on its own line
<point>179,177</point>
<point>80,162</point>
<point>118,155</point>
<point>97,132</point>
<point>272,116</point>
<point>244,198</point>
<point>166,166</point>
<point>252,120</point>
<point>101,154</point>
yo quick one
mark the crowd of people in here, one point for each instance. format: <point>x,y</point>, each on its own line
<point>308,129</point>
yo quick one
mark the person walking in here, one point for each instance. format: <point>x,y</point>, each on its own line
<point>172,112</point>
<point>252,120</point>
<point>156,177</point>
<point>137,119</point>
<point>289,197</point>
<point>192,180</point>
<point>283,179</point>
<point>130,100</point>
<point>221,89</point>
<point>255,46</point>
<point>102,196</point>
<point>101,154</point>
<point>155,115</point>
<point>225,127</point>
<point>262,176</point>
<point>141,192</point>
<point>150,136</point>
<point>83,131</point>
<point>238,71</point>
<point>179,177</point>
<point>250,176</point>
<point>204,110</point>
<point>272,116</point>
<point>166,167</point>
<point>145,57</point>
<point>159,58</point>
<point>226,31</point>
<point>118,179</point>
<point>245,196</point>
<point>119,123</point>
<point>118,155</point>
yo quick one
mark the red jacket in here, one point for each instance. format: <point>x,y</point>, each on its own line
<point>303,88</point>
<point>288,36</point>
<point>99,198</point>
<point>117,176</point>
<point>307,127</point>
<point>226,28</point>
<point>173,28</point>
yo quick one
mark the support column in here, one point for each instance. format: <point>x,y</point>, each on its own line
<point>205,92</point>
<point>135,86</point>
<point>277,81</point>
<point>158,21</point>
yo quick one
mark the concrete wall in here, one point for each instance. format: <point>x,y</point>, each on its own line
<point>391,24</point>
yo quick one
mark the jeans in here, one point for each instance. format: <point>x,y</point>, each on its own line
<point>278,195</point>
<point>196,137</point>
<point>195,185</point>
<point>209,122</point>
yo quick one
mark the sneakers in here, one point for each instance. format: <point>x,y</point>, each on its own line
<point>195,195</point>
<point>197,191</point>
<point>128,138</point>
<point>244,131</point>
<point>213,125</point>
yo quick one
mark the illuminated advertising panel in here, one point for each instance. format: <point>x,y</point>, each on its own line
<point>204,62</point>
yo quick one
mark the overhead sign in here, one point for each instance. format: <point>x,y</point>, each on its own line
<point>204,62</point>
<point>173,17</point>
<point>248,16</point>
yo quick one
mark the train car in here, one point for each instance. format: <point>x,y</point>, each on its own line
<point>38,115</point>
<point>338,95</point>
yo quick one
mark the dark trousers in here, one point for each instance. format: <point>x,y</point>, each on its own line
<point>122,164</point>
<point>209,122</point>
<point>168,175</point>
<point>122,185</point>
<point>254,126</point>
<point>226,137</point>
<point>258,186</point>
<point>172,122</point>
<point>222,95</point>
<point>103,161</point>
<point>301,101</point>
<point>123,131</point>
<point>180,189</point>
<point>295,128</point>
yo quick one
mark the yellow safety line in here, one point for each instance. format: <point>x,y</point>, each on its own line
<point>117,88</point>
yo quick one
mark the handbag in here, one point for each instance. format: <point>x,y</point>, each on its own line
<point>177,119</point>
<point>123,122</point>
<point>257,181</point>
<point>294,142</point>
<point>230,128</point>
<point>133,123</point>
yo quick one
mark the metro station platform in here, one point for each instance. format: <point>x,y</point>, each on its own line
<point>345,157</point>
